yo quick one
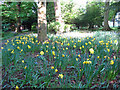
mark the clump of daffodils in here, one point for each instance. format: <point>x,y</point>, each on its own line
<point>87,62</point>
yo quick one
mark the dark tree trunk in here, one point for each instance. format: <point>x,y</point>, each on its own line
<point>106,16</point>
<point>18,18</point>
<point>29,27</point>
<point>119,20</point>
<point>91,26</point>
<point>113,21</point>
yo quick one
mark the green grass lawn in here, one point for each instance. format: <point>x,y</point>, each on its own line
<point>61,62</point>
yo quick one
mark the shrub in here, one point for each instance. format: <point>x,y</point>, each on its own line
<point>53,27</point>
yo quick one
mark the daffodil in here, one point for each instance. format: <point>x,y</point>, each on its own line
<point>18,47</point>
<point>115,41</point>
<point>36,41</point>
<point>25,67</point>
<point>9,49</point>
<point>17,88</point>
<point>68,44</point>
<point>106,44</point>
<point>88,59</point>
<point>2,48</point>
<point>53,47</point>
<point>108,50</point>
<point>66,48</point>
<point>76,59</point>
<point>61,43</point>
<point>63,55</point>
<point>22,61</point>
<point>60,75</point>
<point>74,46</point>
<point>79,40</point>
<point>80,47</point>
<point>104,56</point>
<point>12,51</point>
<point>79,55</point>
<point>53,52</point>
<point>47,42</point>
<point>111,62</point>
<point>111,41</point>
<point>7,41</point>
<point>56,70</point>
<point>98,56</point>
<point>86,44</point>
<point>42,53</point>
<point>89,42</point>
<point>46,46</point>
<point>52,67</point>
<point>29,46</point>
<point>91,51</point>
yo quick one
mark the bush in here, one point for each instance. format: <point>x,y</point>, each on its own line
<point>53,27</point>
<point>73,27</point>
<point>5,27</point>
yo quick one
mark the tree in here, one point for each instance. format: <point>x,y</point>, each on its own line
<point>116,8</point>
<point>42,22</point>
<point>90,17</point>
<point>58,14</point>
<point>18,17</point>
<point>67,11</point>
<point>106,16</point>
<point>25,14</point>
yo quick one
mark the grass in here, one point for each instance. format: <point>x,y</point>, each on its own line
<point>61,62</point>
<point>7,35</point>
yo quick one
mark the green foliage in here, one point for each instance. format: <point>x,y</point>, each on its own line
<point>50,12</point>
<point>5,27</point>
<point>10,13</point>
<point>92,16</point>
<point>53,27</point>
<point>67,12</point>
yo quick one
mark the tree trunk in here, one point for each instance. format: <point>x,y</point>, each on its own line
<point>113,22</point>
<point>18,18</point>
<point>91,26</point>
<point>119,20</point>
<point>42,22</point>
<point>58,14</point>
<point>106,16</point>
